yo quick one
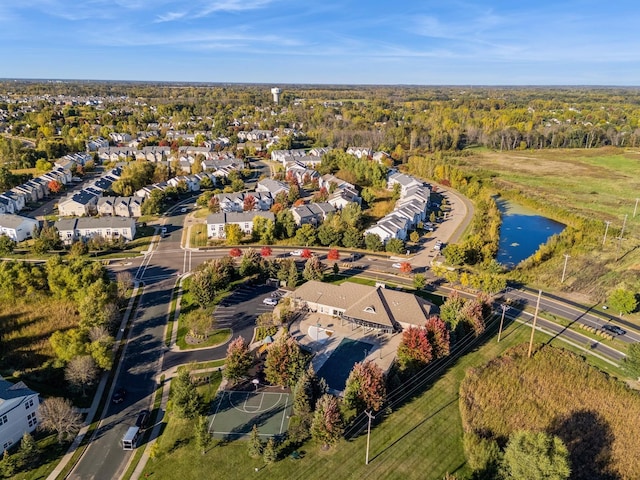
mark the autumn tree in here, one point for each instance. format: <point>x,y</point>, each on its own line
<point>57,414</point>
<point>415,350</point>
<point>80,372</point>
<point>438,336</point>
<point>214,205</point>
<point>199,322</point>
<point>233,233</point>
<point>405,267</point>
<point>249,203</point>
<point>623,301</point>
<point>306,253</point>
<point>55,186</point>
<point>327,425</point>
<point>285,362</point>
<point>365,388</point>
<point>313,269</point>
<point>333,254</point>
<point>235,252</point>
<point>239,360</point>
<point>266,252</point>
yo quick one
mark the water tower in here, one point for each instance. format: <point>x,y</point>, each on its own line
<point>275,91</point>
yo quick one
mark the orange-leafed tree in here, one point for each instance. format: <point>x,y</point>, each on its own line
<point>235,252</point>
<point>266,251</point>
<point>405,267</point>
<point>333,254</point>
<point>306,253</point>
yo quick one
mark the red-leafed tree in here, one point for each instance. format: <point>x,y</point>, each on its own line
<point>327,425</point>
<point>472,315</point>
<point>266,251</point>
<point>290,178</point>
<point>249,203</point>
<point>405,267</point>
<point>438,336</point>
<point>365,388</point>
<point>285,362</point>
<point>214,205</point>
<point>306,253</point>
<point>333,254</point>
<point>239,360</point>
<point>320,196</point>
<point>235,252</point>
<point>298,202</point>
<point>415,350</point>
<point>55,186</point>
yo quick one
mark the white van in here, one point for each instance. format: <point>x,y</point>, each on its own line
<point>130,439</point>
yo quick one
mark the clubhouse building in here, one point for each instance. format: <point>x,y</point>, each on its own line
<point>374,308</point>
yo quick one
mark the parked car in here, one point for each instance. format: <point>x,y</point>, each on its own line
<point>397,265</point>
<point>143,419</point>
<point>270,301</point>
<point>118,396</point>
<point>614,329</point>
<point>295,253</point>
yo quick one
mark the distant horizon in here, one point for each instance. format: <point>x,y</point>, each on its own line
<point>357,42</point>
<point>280,84</point>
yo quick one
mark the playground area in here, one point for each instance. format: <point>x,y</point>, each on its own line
<point>236,412</point>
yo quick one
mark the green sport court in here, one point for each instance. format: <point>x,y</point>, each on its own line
<point>236,412</point>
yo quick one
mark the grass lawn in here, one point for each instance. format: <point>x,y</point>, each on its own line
<point>421,439</point>
<point>382,205</point>
<point>198,235</point>
<point>201,365</point>
<point>50,453</point>
<point>218,337</point>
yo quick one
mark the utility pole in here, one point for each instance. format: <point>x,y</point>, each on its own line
<point>605,232</point>
<point>371,417</point>
<point>635,209</point>
<point>504,309</point>
<point>564,270</point>
<point>624,223</point>
<point>533,327</point>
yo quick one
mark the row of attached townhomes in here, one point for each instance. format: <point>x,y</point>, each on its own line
<point>84,202</point>
<point>191,182</point>
<point>341,193</point>
<point>216,222</point>
<point>375,308</point>
<point>84,228</point>
<point>18,227</point>
<point>18,412</point>
<point>410,209</point>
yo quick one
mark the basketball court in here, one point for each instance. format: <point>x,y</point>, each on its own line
<point>236,412</point>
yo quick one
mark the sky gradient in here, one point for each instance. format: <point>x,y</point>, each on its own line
<point>325,42</point>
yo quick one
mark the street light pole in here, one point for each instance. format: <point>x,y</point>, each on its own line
<point>605,232</point>
<point>564,270</point>
<point>504,309</point>
<point>371,417</point>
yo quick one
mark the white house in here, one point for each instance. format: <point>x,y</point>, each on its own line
<point>78,204</point>
<point>217,221</point>
<point>16,227</point>
<point>360,152</point>
<point>111,228</point>
<point>274,187</point>
<point>18,412</point>
<point>405,182</point>
<point>313,213</point>
<point>234,202</point>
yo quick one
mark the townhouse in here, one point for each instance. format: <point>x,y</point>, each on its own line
<point>216,222</point>
<point>84,228</point>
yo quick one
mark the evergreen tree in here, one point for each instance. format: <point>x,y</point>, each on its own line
<point>187,402</point>
<point>29,451</point>
<point>239,360</point>
<point>270,454</point>
<point>255,444</point>
<point>203,437</point>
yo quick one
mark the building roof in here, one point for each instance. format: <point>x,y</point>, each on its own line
<point>10,390</point>
<point>237,217</point>
<point>13,221</point>
<point>380,306</point>
<point>82,223</point>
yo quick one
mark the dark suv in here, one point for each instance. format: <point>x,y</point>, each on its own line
<point>614,329</point>
<point>143,419</point>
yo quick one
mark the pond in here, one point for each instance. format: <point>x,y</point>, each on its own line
<point>522,232</point>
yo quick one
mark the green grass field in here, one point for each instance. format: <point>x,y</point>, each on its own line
<point>420,440</point>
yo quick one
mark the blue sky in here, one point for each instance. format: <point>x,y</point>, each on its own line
<point>425,42</point>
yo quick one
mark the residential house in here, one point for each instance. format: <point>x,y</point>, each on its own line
<point>312,213</point>
<point>18,412</point>
<point>360,152</point>
<point>18,198</point>
<point>191,182</point>
<point>120,206</point>
<point>234,202</point>
<point>342,197</point>
<point>29,191</point>
<point>301,173</point>
<point>319,151</point>
<point>405,182</point>
<point>6,205</point>
<point>16,227</point>
<point>110,228</point>
<point>381,157</point>
<point>282,155</point>
<point>330,182</point>
<point>96,144</point>
<point>217,221</point>
<point>79,203</point>
<point>274,187</point>
<point>389,227</point>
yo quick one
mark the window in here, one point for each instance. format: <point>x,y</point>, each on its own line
<point>32,419</point>
<point>7,445</point>
<point>3,419</point>
<point>28,404</point>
